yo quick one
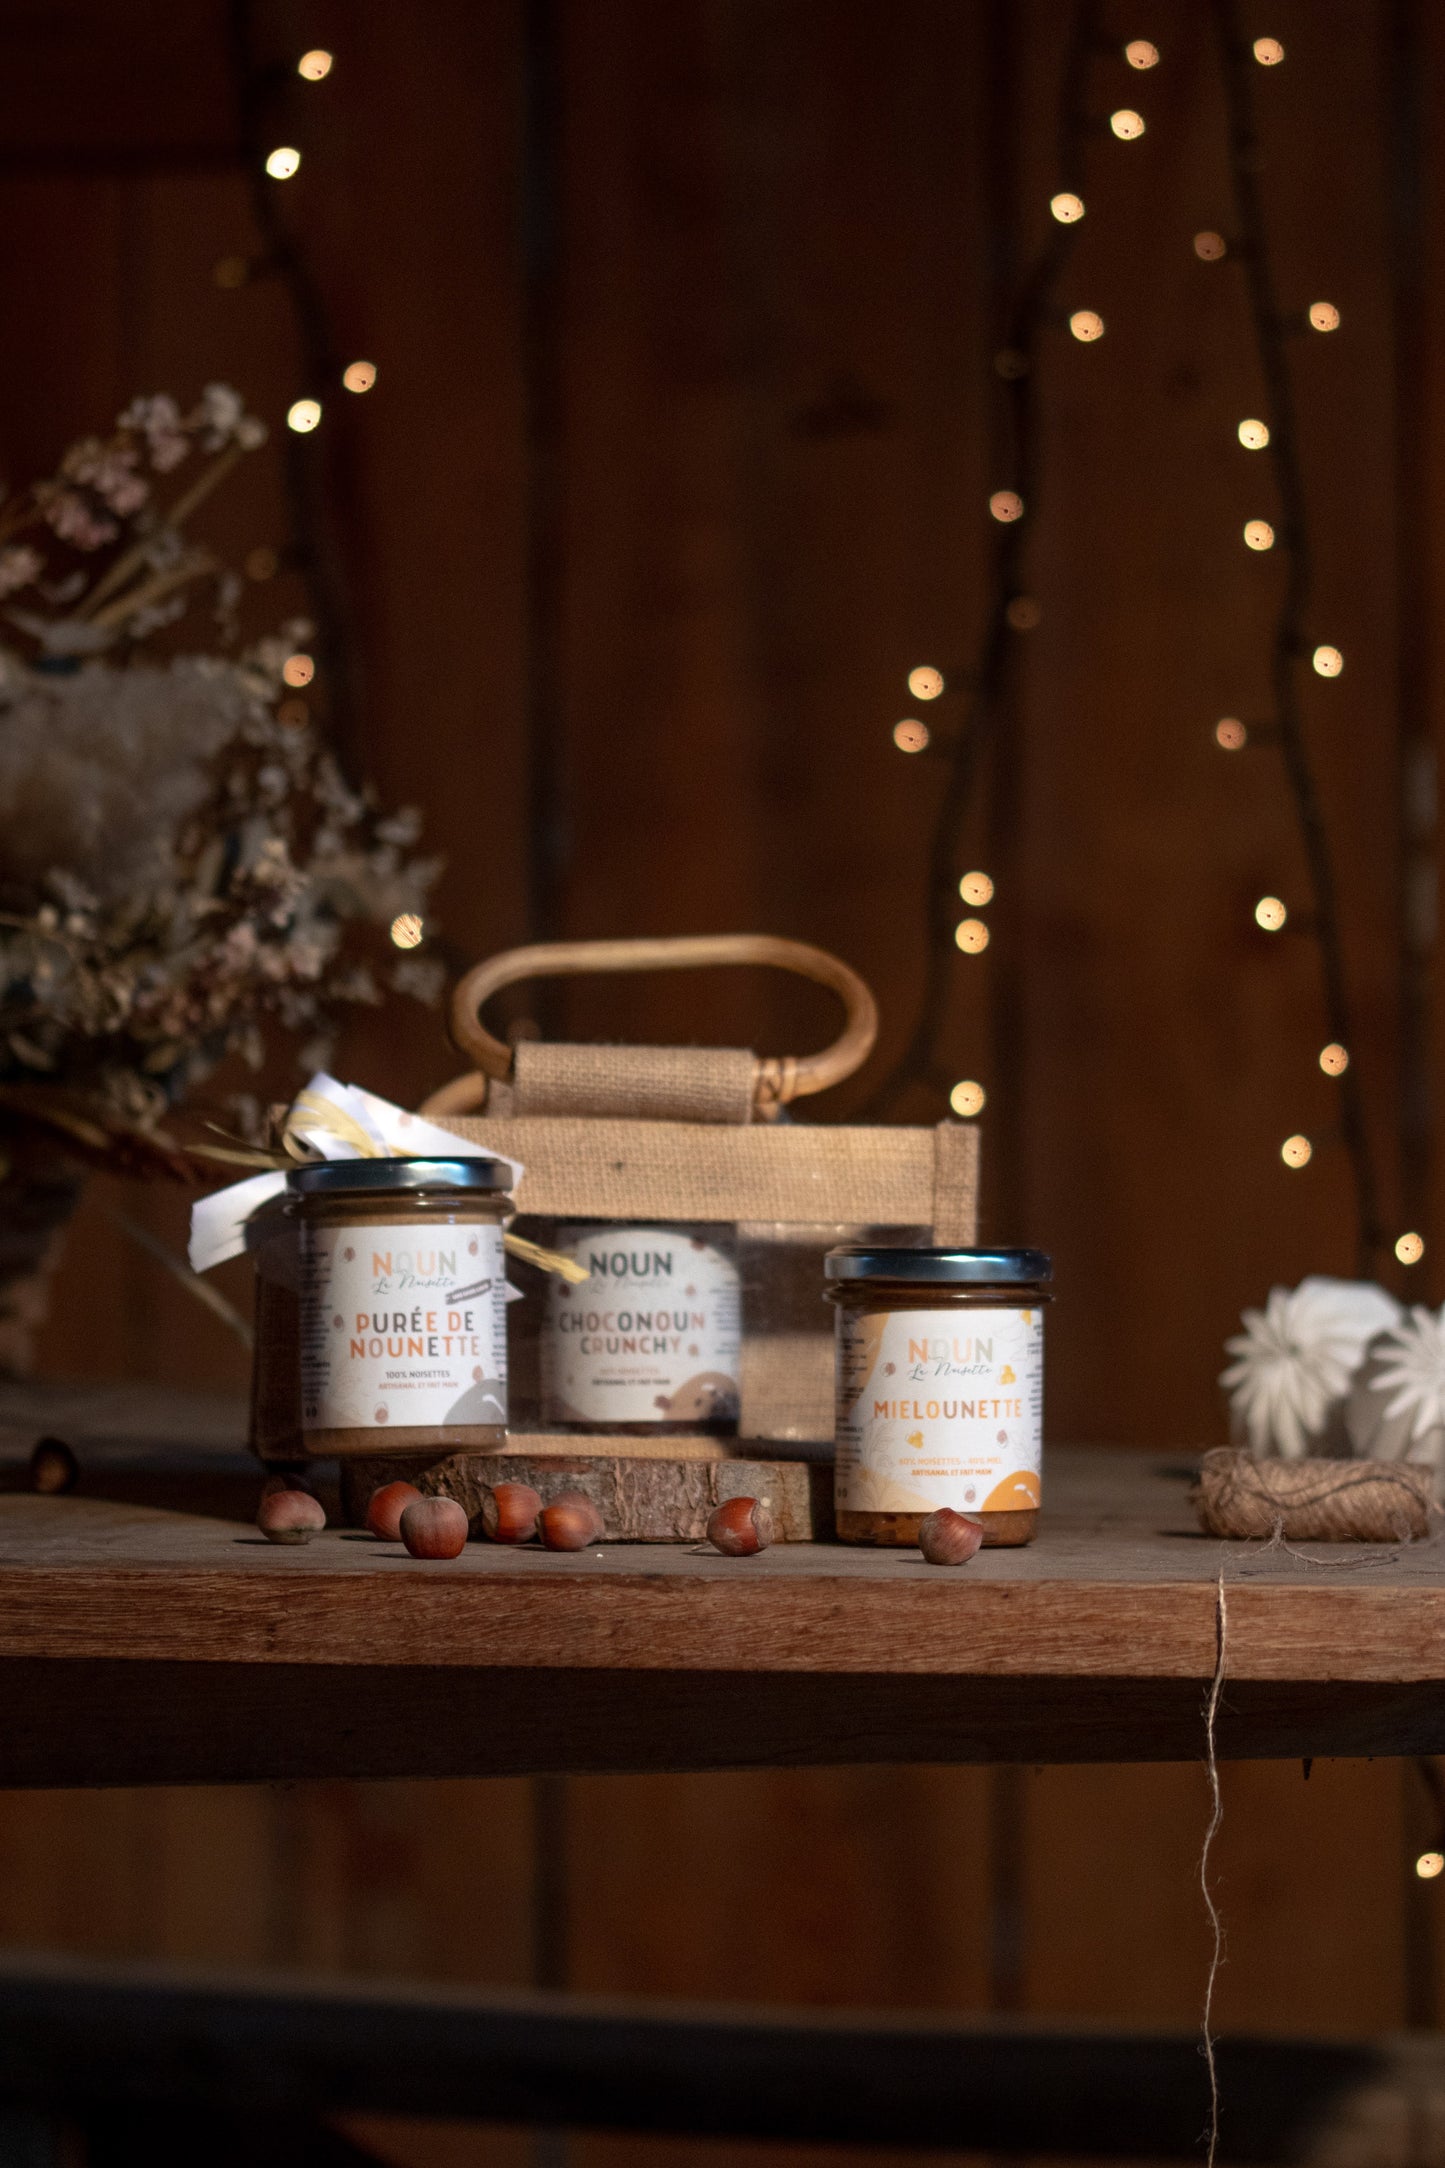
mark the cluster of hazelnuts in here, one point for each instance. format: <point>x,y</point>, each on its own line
<point>510,1513</point>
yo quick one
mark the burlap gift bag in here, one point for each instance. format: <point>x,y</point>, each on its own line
<point>687,1134</point>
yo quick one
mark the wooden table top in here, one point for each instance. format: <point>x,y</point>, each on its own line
<point>1096,1642</point>
<point>1120,1584</point>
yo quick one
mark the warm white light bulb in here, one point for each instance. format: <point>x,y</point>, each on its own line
<point>1231,733</point>
<point>1328,661</point>
<point>1334,1060</point>
<point>407,930</point>
<point>910,736</point>
<point>1141,54</point>
<point>1086,325</point>
<point>968,1098</point>
<point>1324,316</point>
<point>303,415</point>
<point>298,670</point>
<point>977,889</point>
<point>1067,208</point>
<point>316,65</point>
<point>1270,913</point>
<point>1254,435</point>
<point>925,683</point>
<point>1258,534</point>
<point>1429,1865</point>
<point>1127,124</point>
<point>1210,247</point>
<point>1410,1249</point>
<point>1296,1151</point>
<point>283,162</point>
<point>1006,505</point>
<point>971,935</point>
<point>359,375</point>
<point>1268,52</point>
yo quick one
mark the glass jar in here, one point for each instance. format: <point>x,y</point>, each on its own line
<point>403,1305</point>
<point>652,1338</point>
<point>940,1377</point>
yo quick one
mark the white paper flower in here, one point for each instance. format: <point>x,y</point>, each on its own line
<point>1293,1361</point>
<point>1412,1368</point>
<point>1396,1408</point>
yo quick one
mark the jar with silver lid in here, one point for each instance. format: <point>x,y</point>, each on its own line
<point>651,1338</point>
<point>940,1376</point>
<point>403,1304</point>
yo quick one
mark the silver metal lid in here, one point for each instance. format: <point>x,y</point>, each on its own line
<point>955,1268</point>
<point>335,1177</point>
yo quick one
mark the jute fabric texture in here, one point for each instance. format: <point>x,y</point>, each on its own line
<point>618,1170</point>
<point>635,1083</point>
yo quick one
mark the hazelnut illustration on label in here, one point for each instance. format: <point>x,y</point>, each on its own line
<point>403,1326</point>
<point>937,1409</point>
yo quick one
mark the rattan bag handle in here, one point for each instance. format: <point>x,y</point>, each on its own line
<point>778,1079</point>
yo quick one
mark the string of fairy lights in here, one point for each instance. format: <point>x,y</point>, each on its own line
<point>1030,314</point>
<point>1284,731</point>
<point>270,165</point>
<point>1292,644</point>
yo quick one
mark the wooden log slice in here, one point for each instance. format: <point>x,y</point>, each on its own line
<point>641,1501</point>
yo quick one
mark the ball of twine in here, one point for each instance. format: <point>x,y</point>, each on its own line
<point>1312,1501</point>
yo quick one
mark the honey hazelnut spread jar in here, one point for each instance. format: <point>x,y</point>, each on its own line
<point>403,1304</point>
<point>940,1377</point>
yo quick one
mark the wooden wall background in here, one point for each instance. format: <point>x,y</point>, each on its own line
<point>643,530</point>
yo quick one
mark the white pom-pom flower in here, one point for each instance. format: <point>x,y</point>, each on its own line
<point>1396,1408</point>
<point>1294,1360</point>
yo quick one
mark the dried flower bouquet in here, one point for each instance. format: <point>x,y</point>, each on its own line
<point>181,860</point>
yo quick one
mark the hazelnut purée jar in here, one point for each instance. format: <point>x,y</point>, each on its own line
<point>940,1376</point>
<point>403,1304</point>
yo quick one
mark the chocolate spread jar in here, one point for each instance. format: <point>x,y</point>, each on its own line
<point>651,1339</point>
<point>403,1301</point>
<point>940,1388</point>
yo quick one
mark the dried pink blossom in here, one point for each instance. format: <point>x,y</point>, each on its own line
<point>110,470</point>
<point>72,518</point>
<point>158,420</point>
<point>19,565</point>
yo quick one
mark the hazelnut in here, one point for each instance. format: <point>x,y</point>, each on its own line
<point>385,1507</point>
<point>583,1504</point>
<point>290,1516</point>
<point>287,1479</point>
<point>434,1528</point>
<point>569,1527</point>
<point>509,1512</point>
<point>53,1467</point>
<point>739,1527</point>
<point>947,1538</point>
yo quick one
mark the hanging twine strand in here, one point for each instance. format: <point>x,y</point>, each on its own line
<point>1377,1502</point>
<point>1216,1817</point>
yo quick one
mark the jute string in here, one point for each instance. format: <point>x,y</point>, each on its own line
<point>1216,1817</point>
<point>1320,1501</point>
<point>1376,1502</point>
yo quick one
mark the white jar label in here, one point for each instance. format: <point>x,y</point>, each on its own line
<point>939,1408</point>
<point>403,1325</point>
<point>652,1335</point>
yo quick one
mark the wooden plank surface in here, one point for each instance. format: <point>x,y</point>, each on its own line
<point>1119,1586</point>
